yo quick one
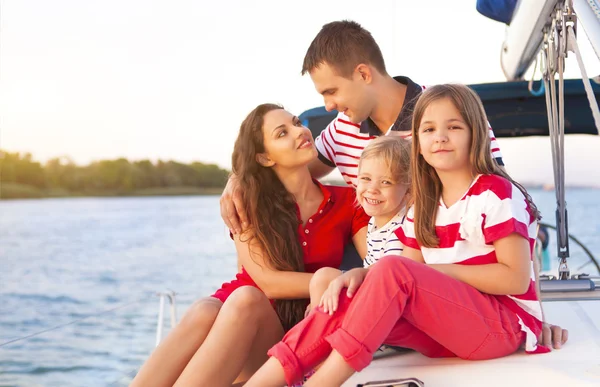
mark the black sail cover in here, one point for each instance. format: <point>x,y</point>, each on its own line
<point>512,110</point>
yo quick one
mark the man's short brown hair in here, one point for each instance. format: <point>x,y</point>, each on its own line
<point>343,45</point>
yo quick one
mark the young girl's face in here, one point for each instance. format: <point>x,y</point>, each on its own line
<point>444,137</point>
<point>377,192</point>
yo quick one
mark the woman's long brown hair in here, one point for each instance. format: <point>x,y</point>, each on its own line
<point>271,209</point>
<point>427,187</point>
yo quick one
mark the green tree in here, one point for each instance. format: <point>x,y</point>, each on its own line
<point>118,176</point>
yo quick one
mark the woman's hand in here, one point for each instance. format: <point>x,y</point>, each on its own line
<point>351,279</point>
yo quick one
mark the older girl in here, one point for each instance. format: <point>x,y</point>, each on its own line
<point>464,286</point>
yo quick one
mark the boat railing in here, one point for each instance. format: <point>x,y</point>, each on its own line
<point>168,295</point>
<point>163,297</point>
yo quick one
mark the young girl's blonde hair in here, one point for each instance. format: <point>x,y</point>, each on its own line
<point>394,151</point>
<point>425,182</point>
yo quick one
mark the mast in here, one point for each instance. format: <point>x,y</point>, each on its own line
<point>559,39</point>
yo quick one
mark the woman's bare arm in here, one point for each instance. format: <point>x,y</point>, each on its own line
<point>276,284</point>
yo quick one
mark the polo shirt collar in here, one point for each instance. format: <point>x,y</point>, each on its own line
<point>327,197</point>
<point>404,120</point>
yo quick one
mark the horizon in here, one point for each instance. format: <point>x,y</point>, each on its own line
<point>337,178</point>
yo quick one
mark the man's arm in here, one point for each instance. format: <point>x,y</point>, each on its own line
<point>325,163</point>
<point>233,211</point>
<point>319,169</point>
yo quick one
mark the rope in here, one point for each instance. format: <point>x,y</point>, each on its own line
<point>558,40</point>
<point>74,321</point>
<point>554,122</point>
<point>541,90</point>
<point>572,42</point>
<point>554,53</point>
<point>561,147</point>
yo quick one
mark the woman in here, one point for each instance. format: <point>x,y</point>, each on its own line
<point>296,226</point>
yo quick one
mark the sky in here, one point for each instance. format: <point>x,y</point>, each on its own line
<point>96,80</point>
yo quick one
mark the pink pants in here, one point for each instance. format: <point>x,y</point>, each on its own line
<point>407,304</point>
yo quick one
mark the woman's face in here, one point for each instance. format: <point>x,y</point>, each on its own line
<point>288,144</point>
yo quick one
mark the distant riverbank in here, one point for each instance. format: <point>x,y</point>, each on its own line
<point>25,191</point>
<point>21,177</point>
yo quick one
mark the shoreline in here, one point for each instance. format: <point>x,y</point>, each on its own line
<point>12,191</point>
<point>23,192</point>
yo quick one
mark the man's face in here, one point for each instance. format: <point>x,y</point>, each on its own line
<point>347,95</point>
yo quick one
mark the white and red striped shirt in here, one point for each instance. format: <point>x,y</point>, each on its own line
<point>491,209</point>
<point>341,143</point>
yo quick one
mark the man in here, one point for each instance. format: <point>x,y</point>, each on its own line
<point>348,70</point>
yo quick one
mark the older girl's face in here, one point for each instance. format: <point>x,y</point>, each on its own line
<point>288,144</point>
<point>444,137</point>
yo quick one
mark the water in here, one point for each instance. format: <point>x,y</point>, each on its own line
<point>63,259</point>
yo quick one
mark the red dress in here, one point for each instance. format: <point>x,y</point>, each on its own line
<point>324,237</point>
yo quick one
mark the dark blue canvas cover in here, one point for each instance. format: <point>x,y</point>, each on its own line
<point>499,10</point>
<point>511,109</point>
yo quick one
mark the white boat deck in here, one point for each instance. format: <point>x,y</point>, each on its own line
<point>576,364</point>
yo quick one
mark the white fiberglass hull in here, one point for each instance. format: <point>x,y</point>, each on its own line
<point>576,364</point>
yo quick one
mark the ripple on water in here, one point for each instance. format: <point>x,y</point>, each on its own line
<point>98,253</point>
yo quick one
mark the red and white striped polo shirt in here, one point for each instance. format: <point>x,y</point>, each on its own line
<point>341,143</point>
<point>491,209</point>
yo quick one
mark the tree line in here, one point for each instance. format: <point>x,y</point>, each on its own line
<point>22,176</point>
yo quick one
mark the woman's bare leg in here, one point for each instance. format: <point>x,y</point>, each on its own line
<point>246,327</point>
<point>168,360</point>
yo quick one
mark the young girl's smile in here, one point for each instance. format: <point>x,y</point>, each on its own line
<point>377,192</point>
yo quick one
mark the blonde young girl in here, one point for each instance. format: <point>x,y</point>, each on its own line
<point>466,277</point>
<point>382,191</point>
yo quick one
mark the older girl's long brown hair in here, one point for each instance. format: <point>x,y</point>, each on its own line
<point>271,209</point>
<point>427,187</point>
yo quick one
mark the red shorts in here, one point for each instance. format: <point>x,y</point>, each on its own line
<point>241,279</point>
